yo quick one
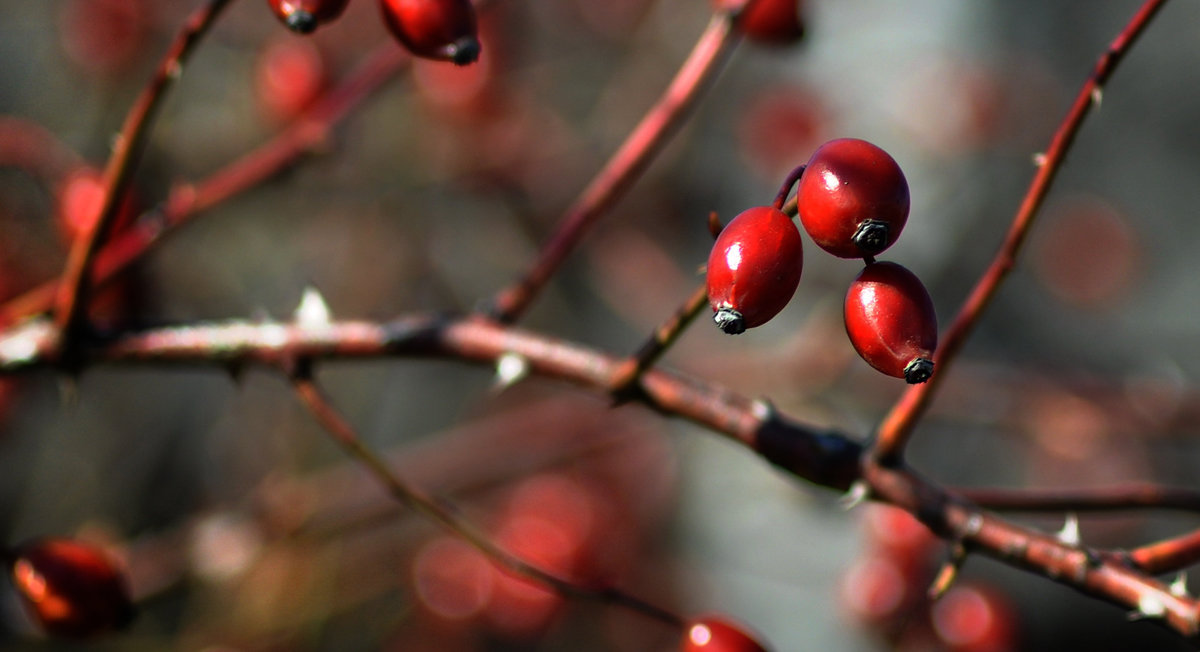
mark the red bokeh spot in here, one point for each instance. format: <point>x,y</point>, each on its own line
<point>521,607</point>
<point>1087,255</point>
<point>290,74</point>
<point>971,619</point>
<point>779,128</point>
<point>452,579</point>
<point>875,589</point>
<point>103,36</point>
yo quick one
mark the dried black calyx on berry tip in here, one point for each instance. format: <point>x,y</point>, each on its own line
<point>301,22</point>
<point>918,371</point>
<point>464,51</point>
<point>871,237</point>
<point>729,321</point>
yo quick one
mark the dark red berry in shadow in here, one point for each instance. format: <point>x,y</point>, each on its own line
<point>304,16</point>
<point>852,199</point>
<point>72,589</point>
<point>754,269</point>
<point>891,322</point>
<point>434,29</point>
<point>716,634</point>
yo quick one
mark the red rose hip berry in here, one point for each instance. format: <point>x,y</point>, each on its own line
<point>434,29</point>
<point>73,589</point>
<point>754,269</point>
<point>715,634</point>
<point>852,198</point>
<point>891,322</point>
<point>305,16</point>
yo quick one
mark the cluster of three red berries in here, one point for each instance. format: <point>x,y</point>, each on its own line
<point>433,29</point>
<point>853,201</point>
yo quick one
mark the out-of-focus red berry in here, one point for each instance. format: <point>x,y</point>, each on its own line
<point>1087,255</point>
<point>72,589</point>
<point>452,579</point>
<point>970,618</point>
<point>718,634</point>
<point>775,124</point>
<point>877,590</point>
<point>104,37</point>
<point>289,75</point>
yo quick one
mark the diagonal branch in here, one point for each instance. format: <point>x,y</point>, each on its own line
<point>75,288</point>
<point>650,136</point>
<point>443,514</point>
<point>188,200</point>
<point>897,426</point>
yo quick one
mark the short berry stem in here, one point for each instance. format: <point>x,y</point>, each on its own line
<point>786,188</point>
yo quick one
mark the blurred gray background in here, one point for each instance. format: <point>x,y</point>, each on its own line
<point>1081,374</point>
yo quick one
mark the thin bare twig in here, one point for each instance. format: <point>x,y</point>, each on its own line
<point>898,424</point>
<point>75,288</point>
<point>641,146</point>
<point>188,200</point>
<point>441,513</point>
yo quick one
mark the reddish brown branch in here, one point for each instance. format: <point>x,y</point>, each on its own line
<point>659,124</point>
<point>1167,555</point>
<point>1108,577</point>
<point>897,426</point>
<point>439,512</point>
<point>825,458</point>
<point>75,288</point>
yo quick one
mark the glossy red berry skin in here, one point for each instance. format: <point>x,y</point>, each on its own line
<point>754,269</point>
<point>891,322</point>
<point>715,634</point>
<point>304,16</point>
<point>434,29</point>
<point>771,22</point>
<point>852,198</point>
<point>72,589</point>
